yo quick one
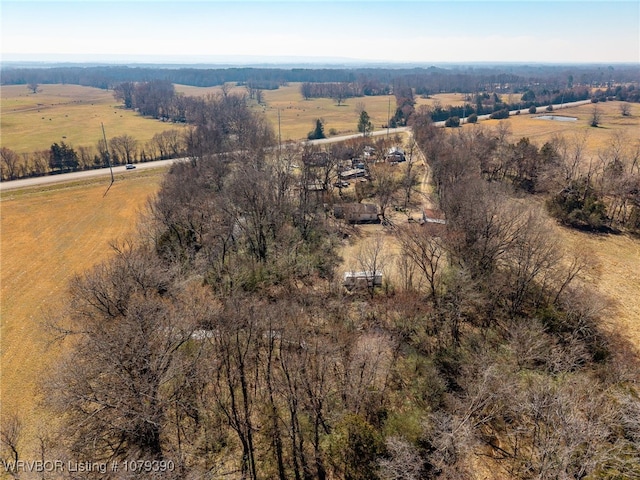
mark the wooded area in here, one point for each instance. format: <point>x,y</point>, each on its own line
<point>220,338</point>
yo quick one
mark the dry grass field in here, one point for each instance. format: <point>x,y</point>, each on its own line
<point>539,131</point>
<point>298,116</point>
<point>49,234</point>
<point>444,99</point>
<point>69,113</point>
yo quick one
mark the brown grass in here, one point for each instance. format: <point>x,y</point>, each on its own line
<point>298,116</point>
<point>69,113</point>
<point>540,131</point>
<point>48,235</point>
<point>444,99</point>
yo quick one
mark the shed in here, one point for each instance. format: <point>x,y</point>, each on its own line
<point>433,216</point>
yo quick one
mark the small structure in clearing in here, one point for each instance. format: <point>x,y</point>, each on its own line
<point>357,212</point>
<point>366,279</point>
<point>353,173</point>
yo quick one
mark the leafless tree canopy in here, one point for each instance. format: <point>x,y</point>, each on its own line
<point>220,338</point>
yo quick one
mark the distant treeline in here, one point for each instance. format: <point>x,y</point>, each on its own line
<point>470,78</point>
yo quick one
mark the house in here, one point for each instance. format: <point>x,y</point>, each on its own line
<point>357,212</point>
<point>365,279</point>
<point>395,155</point>
<point>368,152</point>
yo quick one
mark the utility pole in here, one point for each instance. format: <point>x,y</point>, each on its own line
<point>106,149</point>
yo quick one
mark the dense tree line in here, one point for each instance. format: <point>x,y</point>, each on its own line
<point>342,91</point>
<point>220,339</point>
<point>429,80</point>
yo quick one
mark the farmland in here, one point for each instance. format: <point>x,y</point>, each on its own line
<point>50,234</point>
<point>67,113</point>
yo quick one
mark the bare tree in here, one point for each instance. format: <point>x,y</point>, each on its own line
<point>372,257</point>
<point>410,180</point>
<point>531,258</point>
<point>10,434</point>
<point>625,109</point>
<point>385,187</point>
<point>9,164</point>
<point>596,116</point>
<point>424,247</point>
<point>124,148</point>
<point>404,461</point>
<point>127,340</point>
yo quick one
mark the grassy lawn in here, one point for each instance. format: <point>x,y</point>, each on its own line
<point>69,113</point>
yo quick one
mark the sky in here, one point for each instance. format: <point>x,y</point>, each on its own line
<point>418,31</point>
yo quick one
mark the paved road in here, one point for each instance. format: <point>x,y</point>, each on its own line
<point>104,172</point>
<point>68,177</point>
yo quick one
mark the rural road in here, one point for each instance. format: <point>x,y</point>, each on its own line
<point>103,172</point>
<point>69,177</point>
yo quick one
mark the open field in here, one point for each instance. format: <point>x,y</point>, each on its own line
<point>69,113</point>
<point>444,99</point>
<point>49,234</point>
<point>298,116</point>
<point>540,131</point>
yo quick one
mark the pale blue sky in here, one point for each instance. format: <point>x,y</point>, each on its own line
<point>410,31</point>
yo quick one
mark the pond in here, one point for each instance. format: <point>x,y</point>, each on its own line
<point>557,118</point>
